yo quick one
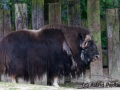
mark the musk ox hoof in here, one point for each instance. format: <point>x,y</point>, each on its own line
<point>56,85</point>
<point>55,82</point>
<point>13,81</point>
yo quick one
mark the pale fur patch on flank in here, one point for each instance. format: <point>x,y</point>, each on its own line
<point>69,53</point>
<point>66,48</point>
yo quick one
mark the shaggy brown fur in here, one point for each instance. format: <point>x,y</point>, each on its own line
<point>29,54</point>
<point>50,50</point>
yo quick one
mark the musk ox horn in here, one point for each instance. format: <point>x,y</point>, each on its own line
<point>87,38</point>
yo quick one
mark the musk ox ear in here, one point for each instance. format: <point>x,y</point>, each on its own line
<point>83,40</point>
<point>87,44</point>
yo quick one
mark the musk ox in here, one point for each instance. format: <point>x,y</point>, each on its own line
<point>54,49</point>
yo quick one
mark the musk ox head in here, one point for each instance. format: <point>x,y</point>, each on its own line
<point>90,52</point>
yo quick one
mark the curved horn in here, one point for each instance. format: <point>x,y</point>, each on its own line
<point>87,38</point>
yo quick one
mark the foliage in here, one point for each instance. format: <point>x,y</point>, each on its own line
<point>64,10</point>
<point>83,9</point>
<point>107,4</point>
<point>104,39</point>
<point>104,4</point>
<point>10,4</point>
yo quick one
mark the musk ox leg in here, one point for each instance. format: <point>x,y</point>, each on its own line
<point>55,82</point>
<point>13,79</point>
<point>69,53</point>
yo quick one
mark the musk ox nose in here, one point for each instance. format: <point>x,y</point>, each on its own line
<point>96,57</point>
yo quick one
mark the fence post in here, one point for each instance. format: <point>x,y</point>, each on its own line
<point>37,14</point>
<point>74,13</point>
<point>7,22</point>
<point>21,16</point>
<point>54,13</point>
<point>74,20</point>
<point>93,14</point>
<point>55,18</point>
<point>37,23</point>
<point>1,28</point>
<point>112,21</point>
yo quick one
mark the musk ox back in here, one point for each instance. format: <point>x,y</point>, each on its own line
<point>55,51</point>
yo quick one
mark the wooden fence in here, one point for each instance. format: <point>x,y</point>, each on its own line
<point>96,71</point>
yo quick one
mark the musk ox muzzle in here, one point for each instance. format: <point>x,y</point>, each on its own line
<point>90,52</point>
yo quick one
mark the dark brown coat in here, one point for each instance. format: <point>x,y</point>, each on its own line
<point>51,49</point>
